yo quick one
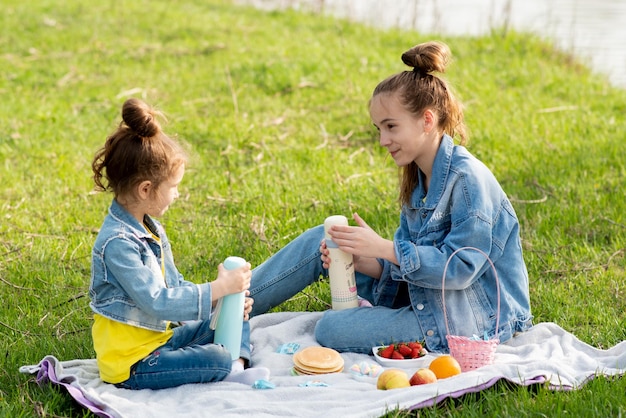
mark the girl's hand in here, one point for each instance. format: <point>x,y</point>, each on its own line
<point>247,306</point>
<point>358,240</point>
<point>364,244</point>
<point>325,257</point>
<point>231,281</point>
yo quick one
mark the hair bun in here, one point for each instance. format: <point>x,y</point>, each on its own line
<point>428,57</point>
<point>141,118</point>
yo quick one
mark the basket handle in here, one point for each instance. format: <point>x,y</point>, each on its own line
<point>443,280</point>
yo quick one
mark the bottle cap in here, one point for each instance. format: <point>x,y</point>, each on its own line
<point>333,220</point>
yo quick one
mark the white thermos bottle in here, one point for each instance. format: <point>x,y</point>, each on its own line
<point>340,270</point>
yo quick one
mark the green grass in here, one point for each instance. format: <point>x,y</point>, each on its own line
<point>274,108</point>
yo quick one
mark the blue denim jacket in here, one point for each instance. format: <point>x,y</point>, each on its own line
<point>464,206</point>
<point>127,284</point>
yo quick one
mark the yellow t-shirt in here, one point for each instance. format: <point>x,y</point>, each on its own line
<point>118,346</point>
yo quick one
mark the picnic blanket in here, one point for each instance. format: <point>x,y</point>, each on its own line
<point>544,354</point>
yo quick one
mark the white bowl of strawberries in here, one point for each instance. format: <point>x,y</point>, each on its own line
<point>402,354</point>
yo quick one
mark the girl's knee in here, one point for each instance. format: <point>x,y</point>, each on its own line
<point>319,335</point>
<point>322,331</point>
<point>314,234</point>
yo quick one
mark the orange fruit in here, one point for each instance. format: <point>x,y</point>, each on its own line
<point>445,366</point>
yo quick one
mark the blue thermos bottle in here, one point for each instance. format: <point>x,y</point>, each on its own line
<point>229,313</point>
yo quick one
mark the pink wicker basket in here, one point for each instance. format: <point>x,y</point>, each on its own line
<point>471,353</point>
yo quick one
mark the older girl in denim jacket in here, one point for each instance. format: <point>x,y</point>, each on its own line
<point>139,299</point>
<point>449,200</point>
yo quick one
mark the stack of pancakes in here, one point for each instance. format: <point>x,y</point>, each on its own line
<point>317,360</point>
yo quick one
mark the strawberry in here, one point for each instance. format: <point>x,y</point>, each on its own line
<point>397,356</point>
<point>415,344</point>
<point>404,349</point>
<point>386,352</point>
<point>415,352</point>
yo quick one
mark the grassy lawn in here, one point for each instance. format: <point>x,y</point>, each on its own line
<point>274,108</point>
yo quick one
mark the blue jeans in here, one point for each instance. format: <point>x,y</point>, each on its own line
<point>188,357</point>
<point>296,266</point>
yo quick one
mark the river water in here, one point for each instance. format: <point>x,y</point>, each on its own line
<point>593,30</point>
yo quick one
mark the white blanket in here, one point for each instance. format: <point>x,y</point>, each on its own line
<point>546,353</point>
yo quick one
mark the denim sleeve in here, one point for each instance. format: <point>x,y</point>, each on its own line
<point>142,282</point>
<point>422,264</point>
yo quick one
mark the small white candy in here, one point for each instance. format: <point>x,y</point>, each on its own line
<point>375,370</point>
<point>355,369</point>
<point>365,368</point>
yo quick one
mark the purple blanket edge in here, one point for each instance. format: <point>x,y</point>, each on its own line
<point>478,388</point>
<point>48,374</point>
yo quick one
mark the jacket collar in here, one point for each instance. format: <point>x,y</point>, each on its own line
<point>120,213</point>
<point>441,170</point>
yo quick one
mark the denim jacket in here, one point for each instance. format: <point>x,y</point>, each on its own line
<point>127,283</point>
<point>464,206</point>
